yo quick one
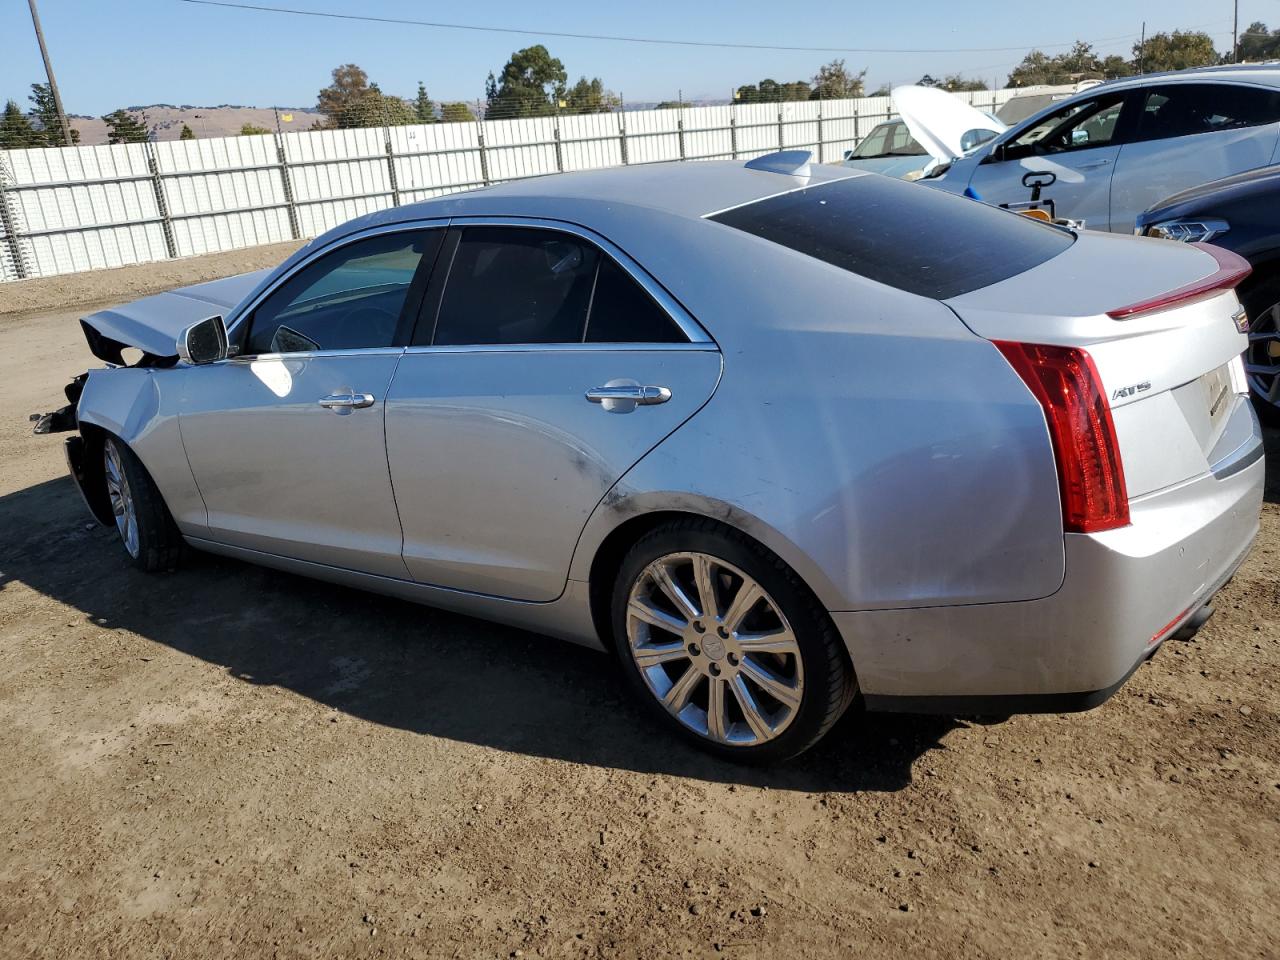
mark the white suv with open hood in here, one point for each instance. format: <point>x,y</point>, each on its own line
<point>1117,148</point>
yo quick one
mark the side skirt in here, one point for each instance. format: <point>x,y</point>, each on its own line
<point>567,617</point>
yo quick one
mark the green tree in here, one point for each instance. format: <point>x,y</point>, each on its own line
<point>530,85</point>
<point>248,130</point>
<point>124,127</point>
<point>455,113</point>
<point>835,81</point>
<point>883,90</point>
<point>1175,51</point>
<point>954,83</point>
<point>1114,65</point>
<point>349,100</point>
<point>16,131</point>
<point>590,96</point>
<point>187,133</point>
<point>1259,43</point>
<point>670,105</point>
<point>771,91</point>
<point>45,113</point>
<point>424,111</point>
<point>1078,63</point>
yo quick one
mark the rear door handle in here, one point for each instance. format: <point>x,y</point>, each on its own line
<point>343,403</point>
<point>642,396</point>
<point>623,397</point>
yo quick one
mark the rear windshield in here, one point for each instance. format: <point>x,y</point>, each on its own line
<point>906,235</point>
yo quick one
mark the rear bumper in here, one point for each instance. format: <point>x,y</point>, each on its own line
<point>1125,591</point>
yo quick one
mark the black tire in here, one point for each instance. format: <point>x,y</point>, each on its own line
<point>829,683</point>
<point>1261,294</point>
<point>159,544</point>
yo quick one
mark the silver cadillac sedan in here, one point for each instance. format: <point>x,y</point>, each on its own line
<point>780,436</point>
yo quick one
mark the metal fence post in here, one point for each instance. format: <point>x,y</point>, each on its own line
<point>282,158</point>
<point>820,143</point>
<point>484,156</point>
<point>781,137</point>
<point>162,206</point>
<point>622,129</point>
<point>733,128</point>
<point>391,167</point>
<point>680,130</point>
<point>559,148</point>
<point>9,223</point>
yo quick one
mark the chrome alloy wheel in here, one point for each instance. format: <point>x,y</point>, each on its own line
<point>122,506</point>
<point>715,649</point>
<point>1262,359</point>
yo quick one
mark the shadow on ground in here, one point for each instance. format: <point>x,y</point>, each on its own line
<point>407,666</point>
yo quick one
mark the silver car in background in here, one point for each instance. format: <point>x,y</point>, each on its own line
<point>1122,146</point>
<point>777,435</point>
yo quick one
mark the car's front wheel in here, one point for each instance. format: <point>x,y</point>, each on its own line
<point>144,523</point>
<point>726,644</point>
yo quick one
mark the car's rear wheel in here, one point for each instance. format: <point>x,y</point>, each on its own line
<point>146,528</point>
<point>726,644</point>
<point>1262,358</point>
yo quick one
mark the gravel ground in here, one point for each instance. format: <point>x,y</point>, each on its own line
<point>233,762</point>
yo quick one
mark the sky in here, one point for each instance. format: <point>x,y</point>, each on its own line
<point>115,53</point>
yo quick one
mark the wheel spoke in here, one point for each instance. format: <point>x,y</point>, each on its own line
<point>751,710</point>
<point>781,690</point>
<point>643,610</point>
<point>706,587</point>
<point>677,697</point>
<point>662,577</point>
<point>717,728</point>
<point>778,641</point>
<point>748,596</point>
<point>653,654</point>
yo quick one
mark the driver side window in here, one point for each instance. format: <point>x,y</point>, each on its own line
<point>350,299</point>
<point>1081,126</point>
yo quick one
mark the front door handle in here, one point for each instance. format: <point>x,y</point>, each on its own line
<point>1093,164</point>
<point>344,403</point>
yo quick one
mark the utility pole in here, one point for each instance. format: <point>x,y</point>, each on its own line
<point>1235,32</point>
<point>1142,47</point>
<point>48,70</point>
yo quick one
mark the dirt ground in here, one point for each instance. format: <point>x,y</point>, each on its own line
<point>233,762</point>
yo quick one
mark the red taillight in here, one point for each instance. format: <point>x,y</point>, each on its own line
<point>1090,473</point>
<point>1232,268</point>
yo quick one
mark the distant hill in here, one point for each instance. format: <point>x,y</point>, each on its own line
<point>221,121</point>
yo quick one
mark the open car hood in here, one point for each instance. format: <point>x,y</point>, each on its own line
<point>940,122</point>
<point>153,324</point>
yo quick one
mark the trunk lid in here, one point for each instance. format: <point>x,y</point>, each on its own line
<point>1172,376</point>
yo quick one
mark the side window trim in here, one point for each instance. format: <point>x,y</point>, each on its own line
<point>687,325</point>
<point>238,329</point>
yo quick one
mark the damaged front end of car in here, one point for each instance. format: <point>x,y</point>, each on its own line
<point>135,341</point>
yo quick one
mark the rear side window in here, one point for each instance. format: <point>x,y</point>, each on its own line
<point>622,312</point>
<point>905,235</point>
<point>518,285</point>
<point>1183,109</point>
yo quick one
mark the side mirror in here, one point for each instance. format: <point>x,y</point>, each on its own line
<point>205,341</point>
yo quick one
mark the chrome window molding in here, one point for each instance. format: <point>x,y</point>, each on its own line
<point>702,346</point>
<point>312,354</point>
<point>669,304</point>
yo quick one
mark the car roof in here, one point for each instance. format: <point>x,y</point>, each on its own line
<point>1265,74</point>
<point>680,188</point>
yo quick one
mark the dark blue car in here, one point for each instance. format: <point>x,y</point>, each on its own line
<point>1242,214</point>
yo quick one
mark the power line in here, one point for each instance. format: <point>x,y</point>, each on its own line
<point>400,21</point>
